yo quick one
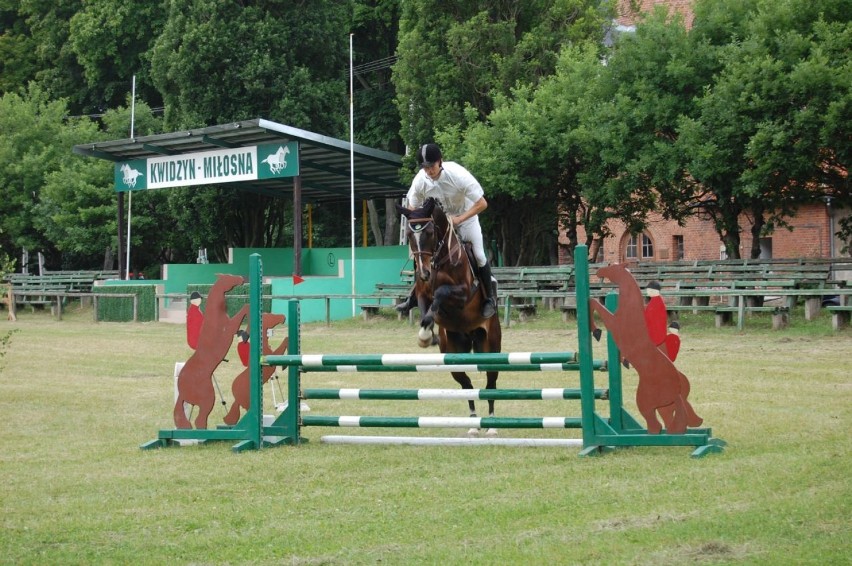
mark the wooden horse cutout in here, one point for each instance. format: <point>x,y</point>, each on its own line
<point>195,380</point>
<point>662,387</point>
<point>449,294</point>
<point>240,387</point>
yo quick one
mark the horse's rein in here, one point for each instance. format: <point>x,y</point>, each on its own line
<point>449,237</point>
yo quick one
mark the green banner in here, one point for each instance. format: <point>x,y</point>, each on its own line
<point>268,161</point>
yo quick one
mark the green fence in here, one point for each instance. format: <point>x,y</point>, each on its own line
<point>120,309</point>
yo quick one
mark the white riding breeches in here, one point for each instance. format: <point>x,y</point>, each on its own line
<point>471,232</point>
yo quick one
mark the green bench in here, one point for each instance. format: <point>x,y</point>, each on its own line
<point>724,315</point>
<point>840,316</point>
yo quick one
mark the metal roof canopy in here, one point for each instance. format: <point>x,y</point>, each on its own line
<point>324,166</point>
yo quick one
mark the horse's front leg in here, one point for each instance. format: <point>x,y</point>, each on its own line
<point>595,306</point>
<point>426,337</point>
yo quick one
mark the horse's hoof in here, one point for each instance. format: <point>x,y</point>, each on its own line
<point>424,343</point>
<point>491,432</point>
<point>473,432</point>
<point>597,334</point>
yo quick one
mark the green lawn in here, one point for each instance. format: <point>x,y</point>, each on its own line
<point>78,398</point>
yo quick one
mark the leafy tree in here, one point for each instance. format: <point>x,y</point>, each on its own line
<point>111,40</point>
<point>553,155</point>
<point>456,60</point>
<point>18,60</point>
<point>375,27</point>
<point>33,141</point>
<point>58,72</point>
<point>217,62</point>
<point>760,142</point>
<point>77,211</point>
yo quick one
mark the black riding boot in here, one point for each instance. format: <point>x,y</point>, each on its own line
<point>489,307</point>
<point>407,304</point>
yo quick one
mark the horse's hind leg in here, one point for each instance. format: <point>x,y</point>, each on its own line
<point>647,409</point>
<point>464,380</point>
<point>180,414</point>
<point>491,384</point>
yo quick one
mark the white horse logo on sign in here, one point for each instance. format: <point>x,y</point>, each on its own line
<point>277,161</point>
<point>130,175</point>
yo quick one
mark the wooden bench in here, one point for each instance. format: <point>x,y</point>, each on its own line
<point>724,315</point>
<point>840,316</point>
<point>371,311</point>
<point>525,311</point>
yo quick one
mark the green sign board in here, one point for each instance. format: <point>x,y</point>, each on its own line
<point>269,161</point>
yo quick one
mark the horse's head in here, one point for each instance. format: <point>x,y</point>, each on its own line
<point>225,282</point>
<point>422,236</point>
<point>615,272</point>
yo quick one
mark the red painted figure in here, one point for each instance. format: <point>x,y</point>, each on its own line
<point>673,341</point>
<point>194,318</point>
<point>243,347</point>
<point>656,318</point>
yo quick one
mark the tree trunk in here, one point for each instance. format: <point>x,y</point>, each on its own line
<point>374,222</point>
<point>391,223</point>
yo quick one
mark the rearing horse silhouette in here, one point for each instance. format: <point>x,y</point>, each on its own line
<point>194,383</point>
<point>662,387</point>
<point>449,294</point>
<point>240,386</point>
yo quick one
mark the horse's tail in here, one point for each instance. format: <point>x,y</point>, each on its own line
<point>692,419</point>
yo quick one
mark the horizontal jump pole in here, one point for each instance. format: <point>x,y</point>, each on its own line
<point>460,441</point>
<point>596,364</point>
<point>511,358</point>
<point>449,394</point>
<point>442,422</point>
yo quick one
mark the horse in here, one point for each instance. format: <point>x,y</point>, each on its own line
<point>278,160</point>
<point>449,294</point>
<point>662,387</point>
<point>129,175</point>
<point>240,386</point>
<point>195,380</point>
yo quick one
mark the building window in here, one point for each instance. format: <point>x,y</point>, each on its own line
<point>630,252</point>
<point>647,247</point>
<point>677,245</point>
<point>766,248</point>
<point>634,247</point>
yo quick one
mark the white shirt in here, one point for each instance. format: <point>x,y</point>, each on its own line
<point>456,188</point>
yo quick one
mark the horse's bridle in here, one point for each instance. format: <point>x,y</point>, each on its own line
<point>446,242</point>
<point>417,225</point>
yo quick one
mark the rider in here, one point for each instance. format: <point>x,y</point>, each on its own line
<point>463,199</point>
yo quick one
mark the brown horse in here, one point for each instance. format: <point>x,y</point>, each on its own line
<point>195,380</point>
<point>662,387</point>
<point>240,387</point>
<point>450,294</point>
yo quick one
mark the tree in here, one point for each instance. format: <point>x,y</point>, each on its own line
<point>217,62</point>
<point>18,60</point>
<point>761,141</point>
<point>552,155</point>
<point>375,27</point>
<point>111,40</point>
<point>455,62</point>
<point>33,141</point>
<point>77,211</point>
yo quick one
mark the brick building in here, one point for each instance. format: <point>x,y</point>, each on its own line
<point>813,226</point>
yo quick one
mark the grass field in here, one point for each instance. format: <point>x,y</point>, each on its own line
<point>78,398</point>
